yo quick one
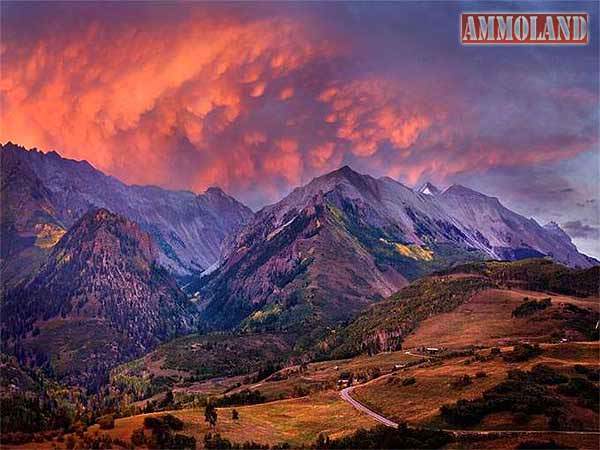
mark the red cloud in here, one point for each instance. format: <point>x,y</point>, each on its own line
<point>255,106</point>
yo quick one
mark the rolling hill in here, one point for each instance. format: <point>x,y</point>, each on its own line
<point>478,299</point>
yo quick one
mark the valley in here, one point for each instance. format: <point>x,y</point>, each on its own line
<point>300,401</point>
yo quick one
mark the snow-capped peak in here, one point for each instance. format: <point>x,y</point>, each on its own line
<point>429,189</point>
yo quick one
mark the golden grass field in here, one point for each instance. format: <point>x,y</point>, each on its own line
<point>324,375</point>
<point>296,421</point>
<point>486,320</point>
<point>419,403</point>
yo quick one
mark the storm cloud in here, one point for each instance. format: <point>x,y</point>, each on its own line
<point>259,98</point>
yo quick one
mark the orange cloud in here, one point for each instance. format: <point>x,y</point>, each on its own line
<point>286,93</point>
<point>109,94</point>
<point>205,99</point>
<point>372,112</point>
<point>287,161</point>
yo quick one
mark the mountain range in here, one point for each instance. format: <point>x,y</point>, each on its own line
<point>345,240</point>
<point>44,194</point>
<point>95,272</point>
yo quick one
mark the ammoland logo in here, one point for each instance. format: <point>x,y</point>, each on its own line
<point>524,28</point>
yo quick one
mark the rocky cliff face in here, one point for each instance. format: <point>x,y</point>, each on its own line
<point>99,299</point>
<point>188,228</point>
<point>331,247</point>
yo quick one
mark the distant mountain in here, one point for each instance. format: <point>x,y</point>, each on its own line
<point>345,240</point>
<point>44,194</point>
<point>100,298</point>
<point>506,234</point>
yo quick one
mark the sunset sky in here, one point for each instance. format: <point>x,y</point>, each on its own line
<point>258,98</point>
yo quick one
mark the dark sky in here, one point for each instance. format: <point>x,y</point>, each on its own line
<point>258,98</point>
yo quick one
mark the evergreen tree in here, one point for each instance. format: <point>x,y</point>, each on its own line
<point>210,414</point>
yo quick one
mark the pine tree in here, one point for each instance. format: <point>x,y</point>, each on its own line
<point>210,414</point>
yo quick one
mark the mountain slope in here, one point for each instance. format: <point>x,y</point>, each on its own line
<point>386,325</point>
<point>30,225</point>
<point>100,298</point>
<point>507,234</point>
<point>188,228</point>
<point>328,250</point>
<point>344,240</point>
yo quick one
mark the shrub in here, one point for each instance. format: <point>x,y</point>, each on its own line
<point>461,382</point>
<point>585,390</point>
<point>481,374</point>
<point>592,373</point>
<point>70,442</point>
<point>382,437</point>
<point>522,352</point>
<point>153,423</point>
<point>16,438</point>
<point>121,443</point>
<point>215,441</point>
<point>245,397</point>
<point>106,422</point>
<point>408,381</point>
<point>375,373</point>
<point>521,418</point>
<point>138,438</point>
<point>183,442</point>
<point>530,307</point>
<point>542,445</point>
<point>519,394</point>
<point>544,374</point>
<point>172,422</point>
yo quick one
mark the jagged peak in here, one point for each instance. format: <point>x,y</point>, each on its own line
<point>100,215</point>
<point>556,229</point>
<point>215,190</point>
<point>344,176</point>
<point>552,225</point>
<point>11,145</point>
<point>95,224</point>
<point>429,189</point>
<point>97,218</point>
<point>345,172</point>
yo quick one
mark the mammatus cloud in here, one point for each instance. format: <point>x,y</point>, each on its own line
<point>258,103</point>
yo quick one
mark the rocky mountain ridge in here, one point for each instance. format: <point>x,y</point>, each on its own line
<point>345,239</point>
<point>188,228</point>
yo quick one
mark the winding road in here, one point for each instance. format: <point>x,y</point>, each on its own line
<point>345,394</point>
